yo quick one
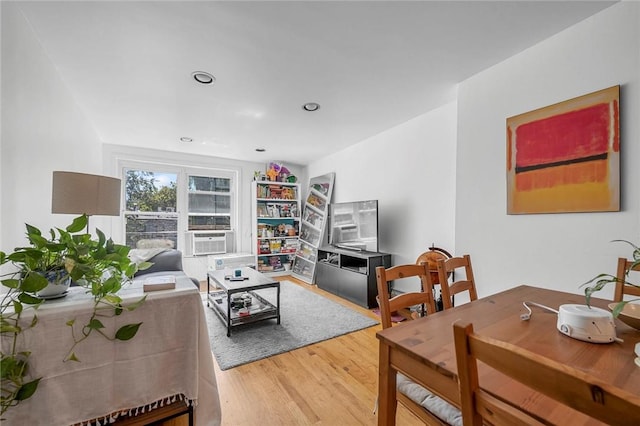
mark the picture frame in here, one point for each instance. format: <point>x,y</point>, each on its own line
<point>565,157</point>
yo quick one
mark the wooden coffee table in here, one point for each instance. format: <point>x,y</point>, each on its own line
<point>221,293</point>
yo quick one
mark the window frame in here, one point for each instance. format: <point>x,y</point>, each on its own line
<point>183,171</point>
<point>231,194</point>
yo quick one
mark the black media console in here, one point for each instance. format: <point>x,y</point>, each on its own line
<point>350,274</point>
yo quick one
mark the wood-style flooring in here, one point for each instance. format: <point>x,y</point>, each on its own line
<point>328,383</point>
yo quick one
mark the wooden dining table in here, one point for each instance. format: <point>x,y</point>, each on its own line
<point>423,350</point>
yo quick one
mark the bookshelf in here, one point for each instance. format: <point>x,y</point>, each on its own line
<point>313,227</point>
<point>276,208</point>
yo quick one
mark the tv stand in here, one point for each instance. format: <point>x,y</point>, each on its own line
<point>350,274</point>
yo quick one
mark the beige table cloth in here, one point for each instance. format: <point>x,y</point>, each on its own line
<point>169,358</point>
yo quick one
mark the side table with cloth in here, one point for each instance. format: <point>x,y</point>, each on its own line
<point>169,358</point>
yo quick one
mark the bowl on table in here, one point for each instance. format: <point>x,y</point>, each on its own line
<point>629,315</point>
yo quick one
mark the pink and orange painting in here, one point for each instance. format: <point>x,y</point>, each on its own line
<point>566,157</point>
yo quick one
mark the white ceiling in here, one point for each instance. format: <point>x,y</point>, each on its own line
<point>371,65</point>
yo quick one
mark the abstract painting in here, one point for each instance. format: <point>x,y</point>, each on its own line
<point>566,157</point>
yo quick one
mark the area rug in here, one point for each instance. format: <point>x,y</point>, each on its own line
<point>305,318</point>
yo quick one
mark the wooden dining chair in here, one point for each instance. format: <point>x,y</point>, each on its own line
<point>569,386</point>
<point>402,303</point>
<point>429,408</point>
<point>447,268</point>
<point>624,266</point>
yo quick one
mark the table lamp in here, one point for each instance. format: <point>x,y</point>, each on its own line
<point>81,193</point>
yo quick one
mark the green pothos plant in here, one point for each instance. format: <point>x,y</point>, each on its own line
<point>99,265</point>
<point>598,282</point>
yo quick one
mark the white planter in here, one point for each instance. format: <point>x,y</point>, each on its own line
<point>57,287</point>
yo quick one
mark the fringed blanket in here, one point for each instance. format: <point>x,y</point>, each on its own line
<point>138,256</point>
<point>132,412</point>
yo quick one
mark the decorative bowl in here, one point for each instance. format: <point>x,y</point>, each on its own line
<point>59,282</point>
<point>629,315</point>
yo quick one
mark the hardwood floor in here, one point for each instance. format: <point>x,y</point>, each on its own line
<point>329,383</point>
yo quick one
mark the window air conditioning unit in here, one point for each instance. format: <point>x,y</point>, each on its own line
<point>205,242</point>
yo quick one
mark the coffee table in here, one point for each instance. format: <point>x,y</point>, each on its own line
<point>260,308</point>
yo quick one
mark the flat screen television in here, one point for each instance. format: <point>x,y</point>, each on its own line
<point>354,225</point>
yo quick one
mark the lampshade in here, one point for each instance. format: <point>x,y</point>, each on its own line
<point>81,193</point>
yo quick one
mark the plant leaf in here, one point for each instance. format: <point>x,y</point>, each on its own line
<point>32,230</point>
<point>618,308</point>
<point>144,265</point>
<point>34,282</point>
<point>17,307</point>
<point>95,324</point>
<point>101,237</point>
<point>27,389</point>
<point>113,299</point>
<point>11,283</point>
<point>111,285</point>
<point>8,328</point>
<point>7,365</point>
<point>78,224</point>
<point>136,304</point>
<point>127,332</point>
<point>29,299</point>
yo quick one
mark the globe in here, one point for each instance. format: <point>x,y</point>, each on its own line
<point>431,257</point>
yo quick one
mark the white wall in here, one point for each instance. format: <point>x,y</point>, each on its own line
<point>42,130</point>
<point>559,251</point>
<point>410,170</point>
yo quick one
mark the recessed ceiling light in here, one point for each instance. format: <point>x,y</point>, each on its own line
<point>203,77</point>
<point>186,139</point>
<point>311,106</point>
<point>260,150</point>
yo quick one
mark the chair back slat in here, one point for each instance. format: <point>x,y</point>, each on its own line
<point>565,384</point>
<point>624,266</point>
<point>448,268</point>
<point>403,302</point>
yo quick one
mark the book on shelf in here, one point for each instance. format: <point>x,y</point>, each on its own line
<point>275,246</point>
<point>161,282</point>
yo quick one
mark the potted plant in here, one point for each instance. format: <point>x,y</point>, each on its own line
<point>41,267</point>
<point>598,282</point>
<point>99,265</point>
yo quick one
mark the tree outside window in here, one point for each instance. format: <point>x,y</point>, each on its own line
<point>150,199</point>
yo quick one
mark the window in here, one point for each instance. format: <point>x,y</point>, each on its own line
<point>171,202</point>
<point>151,201</point>
<point>209,203</point>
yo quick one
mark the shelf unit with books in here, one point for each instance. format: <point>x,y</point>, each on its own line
<point>312,229</point>
<point>276,208</point>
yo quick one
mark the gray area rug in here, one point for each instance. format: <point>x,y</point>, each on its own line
<point>305,318</point>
